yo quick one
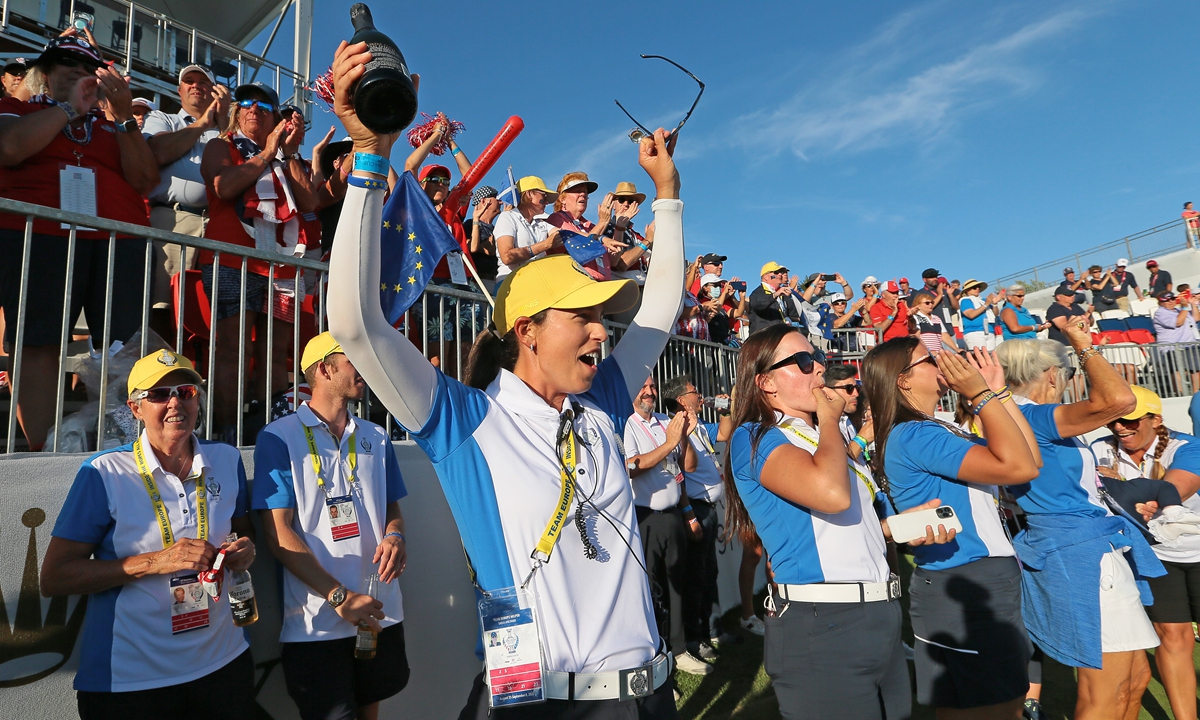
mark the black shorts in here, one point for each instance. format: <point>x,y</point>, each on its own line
<point>971,646</point>
<point>328,683</point>
<point>1176,594</point>
<point>225,694</point>
<point>659,706</point>
<point>837,660</point>
<point>48,286</point>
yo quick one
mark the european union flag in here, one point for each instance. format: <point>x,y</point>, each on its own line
<point>582,248</point>
<point>413,240</point>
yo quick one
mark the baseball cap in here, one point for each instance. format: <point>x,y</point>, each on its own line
<point>892,287</point>
<point>709,279</point>
<point>870,280</point>
<point>930,273</point>
<point>16,66</point>
<point>76,48</point>
<point>1068,270</point>
<point>245,90</point>
<point>1064,291</point>
<point>483,192</point>
<point>771,267</point>
<point>904,280</point>
<point>434,169</point>
<point>1151,263</point>
<point>331,152</point>
<point>582,179</point>
<point>1122,262</point>
<point>533,182</point>
<point>1165,296</point>
<point>147,372</point>
<point>146,103</point>
<point>197,68</point>
<point>317,349</point>
<point>713,259</point>
<point>837,297</point>
<point>1148,403</point>
<point>557,282</point>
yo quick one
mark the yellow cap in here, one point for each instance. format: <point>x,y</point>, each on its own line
<point>557,282</point>
<point>771,267</point>
<point>146,372</point>
<point>533,182</point>
<point>317,349</point>
<point>1148,403</point>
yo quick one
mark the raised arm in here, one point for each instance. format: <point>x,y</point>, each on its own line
<point>639,348</point>
<point>395,370</point>
<point>1109,396</point>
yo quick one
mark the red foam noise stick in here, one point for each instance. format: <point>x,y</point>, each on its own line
<point>483,164</point>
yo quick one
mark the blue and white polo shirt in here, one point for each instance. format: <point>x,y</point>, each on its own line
<point>126,642</point>
<point>1066,484</point>
<point>495,456</point>
<point>284,477</point>
<point>705,482</point>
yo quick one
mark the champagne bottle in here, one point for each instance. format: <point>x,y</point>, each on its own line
<point>384,97</point>
<point>364,643</point>
<point>241,598</point>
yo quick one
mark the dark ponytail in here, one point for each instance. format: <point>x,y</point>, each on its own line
<point>492,352</point>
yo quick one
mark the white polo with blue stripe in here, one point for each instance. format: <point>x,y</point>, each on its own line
<point>922,461</point>
<point>284,477</point>
<point>1066,483</point>
<point>806,546</point>
<point>705,482</point>
<point>494,454</point>
<point>126,643</point>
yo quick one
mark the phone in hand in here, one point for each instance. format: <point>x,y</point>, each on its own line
<point>83,21</point>
<point>828,278</point>
<point>739,286</point>
<point>907,527</point>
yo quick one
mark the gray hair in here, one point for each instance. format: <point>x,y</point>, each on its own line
<point>1015,287</point>
<point>1025,361</point>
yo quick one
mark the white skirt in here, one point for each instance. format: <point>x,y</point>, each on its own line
<point>1123,622</point>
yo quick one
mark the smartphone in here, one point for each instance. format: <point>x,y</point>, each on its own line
<point>740,285</point>
<point>83,21</point>
<point>910,526</point>
<point>828,278</point>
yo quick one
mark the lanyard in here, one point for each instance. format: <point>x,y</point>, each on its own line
<point>545,546</point>
<point>642,424</point>
<point>316,458</point>
<point>866,480</point>
<point>160,510</point>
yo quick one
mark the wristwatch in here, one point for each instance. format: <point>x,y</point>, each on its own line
<point>128,126</point>
<point>337,597</point>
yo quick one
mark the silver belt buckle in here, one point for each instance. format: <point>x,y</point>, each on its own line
<point>893,587</point>
<point>636,682</point>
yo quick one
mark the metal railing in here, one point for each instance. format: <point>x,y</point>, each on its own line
<point>1170,369</point>
<point>443,324</point>
<point>1158,240</point>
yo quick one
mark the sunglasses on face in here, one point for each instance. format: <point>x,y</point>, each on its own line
<point>161,395</point>
<point>1131,424</point>
<point>849,389</point>
<point>1071,372</point>
<point>438,180</point>
<point>69,63</point>
<point>924,358</point>
<point>839,302</point>
<point>1016,296</point>
<point>250,102</point>
<point>804,360</point>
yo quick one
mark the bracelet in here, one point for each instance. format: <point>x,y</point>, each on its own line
<point>1005,397</point>
<point>987,397</point>
<point>687,509</point>
<point>367,183</point>
<point>395,534</point>
<point>456,151</point>
<point>693,520</point>
<point>1086,355</point>
<point>861,442</point>
<point>367,162</point>
<point>644,247</point>
<point>981,392</point>
<point>69,109</point>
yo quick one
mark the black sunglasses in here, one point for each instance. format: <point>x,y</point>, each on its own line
<point>926,358</point>
<point>640,131</point>
<point>851,389</point>
<point>804,360</point>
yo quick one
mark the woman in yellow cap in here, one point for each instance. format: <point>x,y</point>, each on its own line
<point>1142,446</point>
<point>528,454</point>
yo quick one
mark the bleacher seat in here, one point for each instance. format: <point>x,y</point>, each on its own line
<point>1141,329</point>
<point>1114,329</point>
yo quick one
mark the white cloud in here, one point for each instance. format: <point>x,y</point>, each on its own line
<point>888,90</point>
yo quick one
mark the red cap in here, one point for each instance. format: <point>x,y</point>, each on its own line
<point>892,286</point>
<point>432,170</point>
<point>1151,263</point>
<point>904,280</point>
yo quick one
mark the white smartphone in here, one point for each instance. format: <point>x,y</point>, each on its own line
<point>910,526</point>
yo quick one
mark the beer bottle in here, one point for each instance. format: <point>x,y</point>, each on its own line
<point>364,643</point>
<point>241,598</point>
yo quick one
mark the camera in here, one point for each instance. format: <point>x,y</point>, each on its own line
<point>83,21</point>
<point>827,277</point>
<point>945,512</point>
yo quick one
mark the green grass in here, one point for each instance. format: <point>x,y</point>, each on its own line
<point>739,687</point>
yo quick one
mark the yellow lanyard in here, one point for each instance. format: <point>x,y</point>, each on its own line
<point>866,480</point>
<point>545,546</point>
<point>316,458</point>
<point>160,510</point>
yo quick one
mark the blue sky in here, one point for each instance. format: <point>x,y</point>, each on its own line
<point>867,138</point>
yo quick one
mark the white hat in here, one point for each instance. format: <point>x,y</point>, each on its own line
<point>1122,262</point>
<point>709,278</point>
<point>145,102</point>
<point>199,68</point>
<point>837,297</point>
<point>870,280</point>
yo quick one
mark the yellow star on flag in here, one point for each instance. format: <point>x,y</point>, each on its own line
<point>418,248</point>
<point>419,266</point>
<point>412,280</point>
<point>383,286</point>
<point>386,224</point>
<point>412,236</point>
<point>399,287</point>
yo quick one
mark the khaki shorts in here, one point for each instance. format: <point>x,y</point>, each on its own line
<point>166,255</point>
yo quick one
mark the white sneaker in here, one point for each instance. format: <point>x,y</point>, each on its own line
<point>691,665</point>
<point>754,625</point>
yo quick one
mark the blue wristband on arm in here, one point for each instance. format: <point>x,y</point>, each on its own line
<point>367,183</point>
<point>395,534</point>
<point>367,162</point>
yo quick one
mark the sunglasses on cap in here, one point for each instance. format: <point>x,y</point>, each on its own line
<point>163,394</point>
<point>251,102</point>
<point>804,360</point>
<point>438,180</point>
<point>851,389</point>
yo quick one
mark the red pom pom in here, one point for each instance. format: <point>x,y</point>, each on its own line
<point>322,86</point>
<point>421,133</point>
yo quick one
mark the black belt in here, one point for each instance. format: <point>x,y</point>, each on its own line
<point>193,209</point>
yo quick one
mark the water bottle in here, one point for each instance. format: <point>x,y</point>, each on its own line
<point>718,403</point>
<point>384,97</point>
<point>364,642</point>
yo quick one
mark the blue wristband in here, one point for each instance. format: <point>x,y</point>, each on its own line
<point>367,183</point>
<point>457,151</point>
<point>395,534</point>
<point>644,247</point>
<point>687,509</point>
<point>367,162</point>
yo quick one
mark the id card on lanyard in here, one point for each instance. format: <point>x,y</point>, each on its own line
<point>343,520</point>
<point>508,617</point>
<point>189,601</point>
